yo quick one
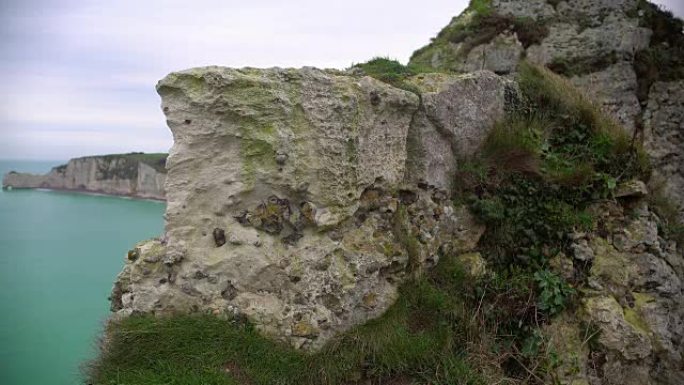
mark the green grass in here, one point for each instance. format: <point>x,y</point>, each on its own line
<point>155,160</point>
<point>535,175</point>
<point>446,328</point>
<point>541,168</point>
<point>421,338</point>
<point>482,28</point>
<point>391,72</point>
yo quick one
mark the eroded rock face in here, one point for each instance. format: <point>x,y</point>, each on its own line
<point>616,88</point>
<point>292,198</point>
<point>664,137</point>
<point>110,174</point>
<point>454,118</point>
<point>632,305</point>
<point>594,43</point>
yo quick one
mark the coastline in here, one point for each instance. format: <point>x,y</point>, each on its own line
<point>86,192</point>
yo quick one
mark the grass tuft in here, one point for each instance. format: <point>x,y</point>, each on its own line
<point>392,72</point>
<point>421,338</point>
<point>541,168</point>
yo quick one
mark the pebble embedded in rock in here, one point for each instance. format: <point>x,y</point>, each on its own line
<point>133,254</point>
<point>281,158</point>
<point>219,237</point>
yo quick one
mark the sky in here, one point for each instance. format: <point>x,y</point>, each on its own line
<point>77,77</point>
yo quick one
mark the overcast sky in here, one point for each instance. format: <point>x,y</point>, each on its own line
<point>77,77</point>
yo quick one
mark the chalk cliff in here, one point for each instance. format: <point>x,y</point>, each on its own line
<point>137,175</point>
<point>303,198</point>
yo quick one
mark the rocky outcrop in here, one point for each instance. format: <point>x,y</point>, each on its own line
<point>630,328</point>
<point>303,198</point>
<point>137,175</point>
<point>627,54</point>
<point>664,134</point>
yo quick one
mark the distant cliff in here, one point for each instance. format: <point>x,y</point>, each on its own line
<point>135,174</point>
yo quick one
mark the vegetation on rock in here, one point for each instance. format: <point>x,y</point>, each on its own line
<point>445,328</point>
<point>478,25</point>
<point>663,60</point>
<point>154,160</point>
<point>391,72</point>
<point>537,173</point>
<point>543,178</point>
<point>542,167</point>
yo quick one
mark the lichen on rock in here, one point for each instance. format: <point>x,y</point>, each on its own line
<point>293,197</point>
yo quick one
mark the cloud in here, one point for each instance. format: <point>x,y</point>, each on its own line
<point>83,71</point>
<point>78,76</point>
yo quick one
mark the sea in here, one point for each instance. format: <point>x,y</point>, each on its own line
<point>59,255</point>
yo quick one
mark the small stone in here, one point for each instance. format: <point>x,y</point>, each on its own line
<point>308,211</point>
<point>242,218</point>
<point>563,266</point>
<point>219,237</point>
<point>302,187</point>
<point>582,251</point>
<point>408,197</point>
<point>281,158</point>
<point>374,98</point>
<point>234,240</point>
<point>230,292</point>
<point>323,264</point>
<point>631,189</point>
<point>392,205</point>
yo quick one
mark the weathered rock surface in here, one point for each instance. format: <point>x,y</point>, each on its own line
<point>596,45</point>
<point>616,88</point>
<point>664,137</point>
<point>454,118</point>
<point>109,174</point>
<point>303,198</point>
<point>632,307</point>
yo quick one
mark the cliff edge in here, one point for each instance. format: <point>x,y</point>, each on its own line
<point>304,198</point>
<point>135,174</point>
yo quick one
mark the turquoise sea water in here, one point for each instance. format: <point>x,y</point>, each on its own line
<point>59,255</point>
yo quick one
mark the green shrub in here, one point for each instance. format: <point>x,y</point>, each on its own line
<point>391,72</point>
<point>481,7</point>
<point>554,292</point>
<point>385,69</point>
<point>483,26</point>
<point>541,167</point>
